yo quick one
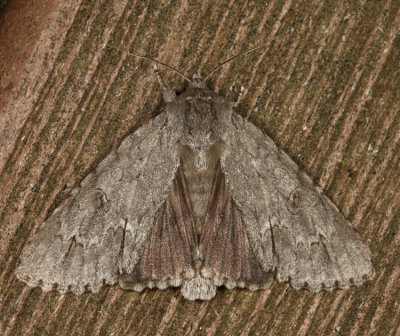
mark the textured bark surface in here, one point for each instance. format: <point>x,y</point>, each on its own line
<point>327,92</point>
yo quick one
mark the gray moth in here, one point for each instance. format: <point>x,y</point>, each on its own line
<point>197,198</point>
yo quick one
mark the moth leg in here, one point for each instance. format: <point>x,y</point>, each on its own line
<point>168,94</point>
<point>236,103</point>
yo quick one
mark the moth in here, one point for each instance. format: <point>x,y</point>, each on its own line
<point>198,198</point>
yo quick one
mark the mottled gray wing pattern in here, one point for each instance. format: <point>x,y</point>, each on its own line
<point>100,230</point>
<point>293,227</point>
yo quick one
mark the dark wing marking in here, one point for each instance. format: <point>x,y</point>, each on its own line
<point>167,258</point>
<point>225,246</point>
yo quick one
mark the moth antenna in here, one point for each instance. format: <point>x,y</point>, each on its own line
<point>238,55</point>
<point>153,60</point>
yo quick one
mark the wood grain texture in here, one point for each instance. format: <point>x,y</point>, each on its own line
<point>326,91</point>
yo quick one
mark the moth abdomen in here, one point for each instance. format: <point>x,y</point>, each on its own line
<point>198,181</point>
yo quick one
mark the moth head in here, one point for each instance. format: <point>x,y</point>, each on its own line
<point>197,82</point>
